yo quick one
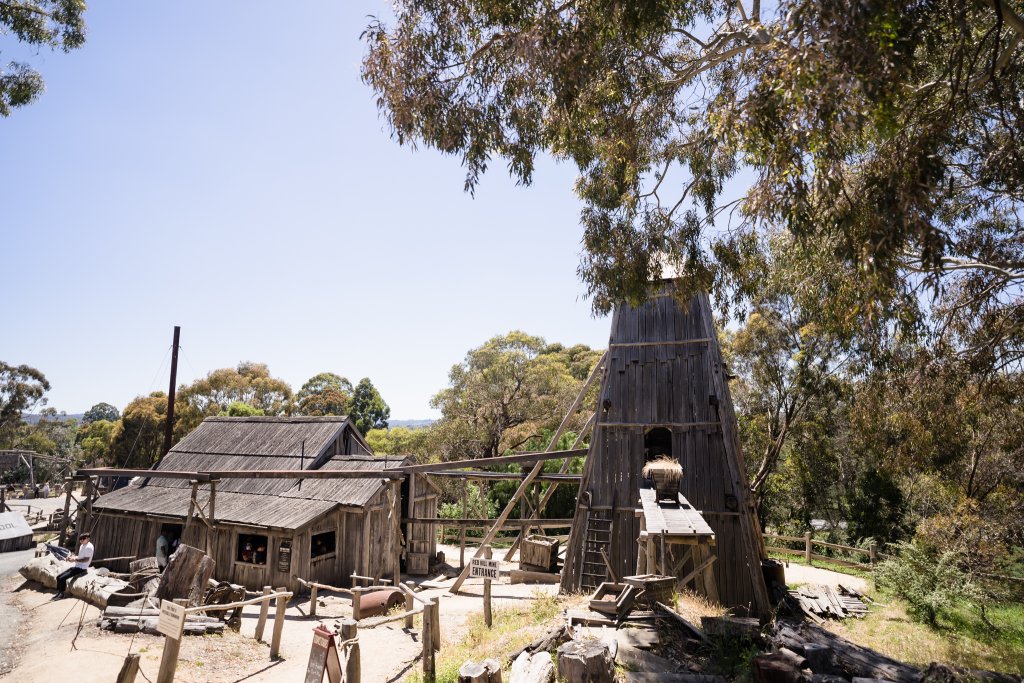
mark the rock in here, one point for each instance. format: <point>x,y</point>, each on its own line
<point>533,668</point>
<point>586,661</point>
<point>91,587</point>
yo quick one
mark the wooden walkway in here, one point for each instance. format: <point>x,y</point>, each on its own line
<point>678,523</point>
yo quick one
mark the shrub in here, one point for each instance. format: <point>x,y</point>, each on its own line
<point>931,582</point>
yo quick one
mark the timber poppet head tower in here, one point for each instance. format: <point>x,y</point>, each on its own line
<point>665,392</point>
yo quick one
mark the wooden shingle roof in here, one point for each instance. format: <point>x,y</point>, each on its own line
<point>256,444</point>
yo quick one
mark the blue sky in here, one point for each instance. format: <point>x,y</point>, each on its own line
<point>220,166</point>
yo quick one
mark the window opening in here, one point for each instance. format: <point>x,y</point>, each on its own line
<point>252,549</point>
<point>657,442</point>
<point>323,544</point>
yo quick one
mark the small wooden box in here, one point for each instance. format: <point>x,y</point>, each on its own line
<point>615,599</point>
<point>539,553</point>
<point>417,564</point>
<point>652,588</point>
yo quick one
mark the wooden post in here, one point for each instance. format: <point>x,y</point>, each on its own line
<point>652,563</point>
<point>168,660</point>
<point>312,600</point>
<point>350,631</point>
<point>261,624</point>
<point>409,603</point>
<point>191,506</point>
<point>462,528</point>
<point>282,604</point>
<point>68,485</point>
<point>487,592</point>
<point>664,555</point>
<point>807,547</point>
<point>427,636</point>
<point>435,621</point>
<point>211,510</point>
<point>129,669</point>
<point>357,594</point>
<point>85,516</point>
<point>873,553</point>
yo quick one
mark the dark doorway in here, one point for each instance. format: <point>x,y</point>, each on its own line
<point>657,442</point>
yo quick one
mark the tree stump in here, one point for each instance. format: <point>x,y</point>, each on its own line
<point>586,661</point>
<point>532,668</point>
<point>487,671</point>
<point>186,575</point>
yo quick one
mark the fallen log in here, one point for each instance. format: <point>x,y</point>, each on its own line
<point>852,659</point>
<point>92,587</point>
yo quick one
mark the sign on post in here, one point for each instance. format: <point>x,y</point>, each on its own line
<point>172,619</point>
<point>323,656</point>
<point>483,568</point>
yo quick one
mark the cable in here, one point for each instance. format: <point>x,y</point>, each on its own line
<point>143,428</point>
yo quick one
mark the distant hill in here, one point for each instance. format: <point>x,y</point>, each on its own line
<point>33,418</point>
<point>411,424</point>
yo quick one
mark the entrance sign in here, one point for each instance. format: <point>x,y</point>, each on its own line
<point>172,619</point>
<point>323,655</point>
<point>484,569</point>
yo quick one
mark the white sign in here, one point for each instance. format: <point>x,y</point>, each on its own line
<point>13,525</point>
<point>172,619</point>
<point>483,569</point>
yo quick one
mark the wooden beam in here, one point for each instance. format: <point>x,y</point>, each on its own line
<point>478,463</point>
<point>505,476</point>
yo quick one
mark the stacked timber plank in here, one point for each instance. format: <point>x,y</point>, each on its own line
<point>135,620</point>
<point>824,602</point>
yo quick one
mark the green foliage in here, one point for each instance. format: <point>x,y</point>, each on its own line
<point>884,138</point>
<point>240,409</point>
<point>401,441</point>
<point>57,24</point>
<point>324,394</point>
<point>101,411</point>
<point>22,388</point>
<point>138,437</point>
<point>367,408</point>
<point>876,506</point>
<point>249,383</point>
<point>95,439</point>
<point>932,583</point>
<point>506,392</point>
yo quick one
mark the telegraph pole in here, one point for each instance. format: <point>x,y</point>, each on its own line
<point>169,430</point>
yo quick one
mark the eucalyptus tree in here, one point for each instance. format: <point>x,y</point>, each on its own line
<point>883,137</point>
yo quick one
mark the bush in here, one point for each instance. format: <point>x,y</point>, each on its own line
<point>932,583</point>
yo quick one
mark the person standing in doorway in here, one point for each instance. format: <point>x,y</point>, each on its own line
<point>82,561</point>
<point>46,489</point>
<point>161,550</point>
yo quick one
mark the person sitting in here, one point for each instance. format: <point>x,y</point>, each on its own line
<point>82,561</point>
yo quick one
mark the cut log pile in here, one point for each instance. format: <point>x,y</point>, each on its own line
<point>824,602</point>
<point>135,620</point>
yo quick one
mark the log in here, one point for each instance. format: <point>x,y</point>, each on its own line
<point>488,671</point>
<point>943,673</point>
<point>94,588</point>
<point>525,576</point>
<point>533,668</point>
<point>854,660</point>
<point>586,661</point>
<point>743,628</point>
<point>776,668</point>
<point>129,669</point>
<point>186,575</point>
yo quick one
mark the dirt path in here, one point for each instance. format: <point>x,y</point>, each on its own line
<point>801,573</point>
<point>59,640</point>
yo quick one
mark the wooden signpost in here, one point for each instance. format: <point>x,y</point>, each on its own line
<point>487,569</point>
<point>323,656</point>
<point>172,624</point>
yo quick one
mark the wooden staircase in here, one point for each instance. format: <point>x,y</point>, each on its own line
<point>596,543</point>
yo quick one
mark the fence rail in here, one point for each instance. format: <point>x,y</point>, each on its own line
<point>871,552</point>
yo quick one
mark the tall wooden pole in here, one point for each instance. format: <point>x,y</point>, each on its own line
<point>169,428</point>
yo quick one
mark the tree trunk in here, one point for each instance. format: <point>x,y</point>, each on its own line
<point>187,572</point>
<point>586,661</point>
<point>533,668</point>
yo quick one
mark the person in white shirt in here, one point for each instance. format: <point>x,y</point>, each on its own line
<point>46,490</point>
<point>161,550</point>
<point>82,561</point>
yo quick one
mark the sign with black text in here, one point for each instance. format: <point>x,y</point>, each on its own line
<point>479,568</point>
<point>323,656</point>
<point>172,619</point>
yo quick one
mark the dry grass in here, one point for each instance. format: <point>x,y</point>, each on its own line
<point>962,642</point>
<point>511,629</point>
<point>692,607</point>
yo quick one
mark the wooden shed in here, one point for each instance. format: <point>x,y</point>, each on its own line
<point>266,531</point>
<point>665,392</point>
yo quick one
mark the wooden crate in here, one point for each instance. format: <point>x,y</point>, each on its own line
<point>615,599</point>
<point>539,553</point>
<point>417,564</point>
<point>652,588</point>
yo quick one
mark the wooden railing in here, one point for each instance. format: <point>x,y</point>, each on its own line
<point>871,553</point>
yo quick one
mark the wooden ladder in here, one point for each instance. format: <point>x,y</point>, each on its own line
<point>596,544</point>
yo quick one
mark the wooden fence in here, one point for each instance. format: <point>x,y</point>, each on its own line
<point>871,552</point>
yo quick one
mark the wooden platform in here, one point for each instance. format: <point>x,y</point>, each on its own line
<point>676,522</point>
